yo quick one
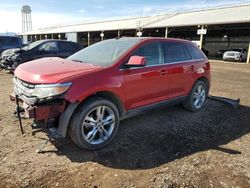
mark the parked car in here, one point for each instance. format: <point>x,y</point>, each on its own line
<point>87,94</point>
<point>43,48</point>
<point>237,54</point>
<point>8,42</point>
<point>220,53</point>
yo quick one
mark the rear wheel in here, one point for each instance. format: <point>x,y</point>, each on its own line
<point>94,124</point>
<point>197,96</point>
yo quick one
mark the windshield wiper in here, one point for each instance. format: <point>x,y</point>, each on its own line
<point>76,60</point>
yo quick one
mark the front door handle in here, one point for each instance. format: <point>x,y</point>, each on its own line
<point>163,72</point>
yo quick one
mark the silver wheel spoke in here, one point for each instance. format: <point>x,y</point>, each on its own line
<point>105,131</point>
<point>90,136</point>
<point>100,112</point>
<point>108,120</point>
<point>102,136</point>
<point>196,102</point>
<point>90,119</point>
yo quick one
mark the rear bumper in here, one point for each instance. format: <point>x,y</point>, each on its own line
<point>43,112</point>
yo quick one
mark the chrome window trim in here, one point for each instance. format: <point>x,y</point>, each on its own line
<point>172,63</point>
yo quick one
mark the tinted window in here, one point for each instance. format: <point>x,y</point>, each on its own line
<point>175,52</point>
<point>66,46</point>
<point>152,52</point>
<point>9,41</point>
<point>49,46</point>
<point>194,52</point>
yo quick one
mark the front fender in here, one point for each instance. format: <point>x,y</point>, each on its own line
<point>65,118</point>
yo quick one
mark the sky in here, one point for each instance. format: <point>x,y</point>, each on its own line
<point>51,12</point>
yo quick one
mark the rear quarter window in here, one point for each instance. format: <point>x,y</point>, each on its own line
<point>194,52</point>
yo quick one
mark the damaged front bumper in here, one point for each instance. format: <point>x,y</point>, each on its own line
<point>41,112</point>
<point>45,103</point>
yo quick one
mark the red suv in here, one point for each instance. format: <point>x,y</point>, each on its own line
<point>87,94</point>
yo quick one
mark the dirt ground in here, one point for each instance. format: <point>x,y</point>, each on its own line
<point>167,147</point>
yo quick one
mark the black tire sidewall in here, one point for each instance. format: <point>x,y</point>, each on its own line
<point>76,123</point>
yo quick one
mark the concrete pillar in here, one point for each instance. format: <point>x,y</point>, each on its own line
<point>88,38</point>
<point>248,54</point>
<point>102,35</point>
<point>166,32</point>
<point>118,34</point>
<point>201,37</point>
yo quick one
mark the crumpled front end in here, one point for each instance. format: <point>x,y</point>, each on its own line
<point>9,59</point>
<point>31,105</point>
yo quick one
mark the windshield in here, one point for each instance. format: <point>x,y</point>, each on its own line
<point>33,44</point>
<point>236,50</point>
<point>104,53</point>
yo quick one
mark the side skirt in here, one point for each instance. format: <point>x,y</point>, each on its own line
<point>141,110</point>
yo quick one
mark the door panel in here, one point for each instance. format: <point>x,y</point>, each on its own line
<point>179,68</point>
<point>146,85</point>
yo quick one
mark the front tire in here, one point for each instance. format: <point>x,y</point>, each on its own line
<point>197,96</point>
<point>94,124</point>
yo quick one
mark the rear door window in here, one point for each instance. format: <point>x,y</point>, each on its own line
<point>175,52</point>
<point>152,52</point>
<point>66,46</point>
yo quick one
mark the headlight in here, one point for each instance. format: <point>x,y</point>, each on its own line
<point>49,90</point>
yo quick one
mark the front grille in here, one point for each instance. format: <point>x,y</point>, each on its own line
<point>231,54</point>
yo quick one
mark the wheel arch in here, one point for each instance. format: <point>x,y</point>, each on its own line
<point>71,108</point>
<point>204,79</point>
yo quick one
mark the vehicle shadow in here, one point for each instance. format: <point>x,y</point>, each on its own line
<point>166,134</point>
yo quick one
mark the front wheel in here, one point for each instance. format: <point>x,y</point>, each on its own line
<point>197,96</point>
<point>94,124</point>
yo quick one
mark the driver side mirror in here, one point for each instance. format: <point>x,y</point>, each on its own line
<point>136,61</point>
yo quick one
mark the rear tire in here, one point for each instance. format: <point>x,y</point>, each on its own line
<point>94,124</point>
<point>196,97</point>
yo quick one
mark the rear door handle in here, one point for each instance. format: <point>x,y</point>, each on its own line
<point>191,68</point>
<point>163,72</point>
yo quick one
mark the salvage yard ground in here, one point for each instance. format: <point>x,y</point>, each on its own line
<point>167,147</point>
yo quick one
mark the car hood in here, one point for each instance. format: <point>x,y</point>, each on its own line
<point>52,70</point>
<point>12,51</point>
<point>234,52</point>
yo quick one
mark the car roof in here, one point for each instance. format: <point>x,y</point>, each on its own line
<point>150,38</point>
<point>7,36</point>
<point>56,40</point>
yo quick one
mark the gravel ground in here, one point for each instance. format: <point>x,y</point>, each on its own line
<point>167,147</point>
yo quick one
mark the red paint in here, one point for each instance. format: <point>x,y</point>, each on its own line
<point>134,87</point>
